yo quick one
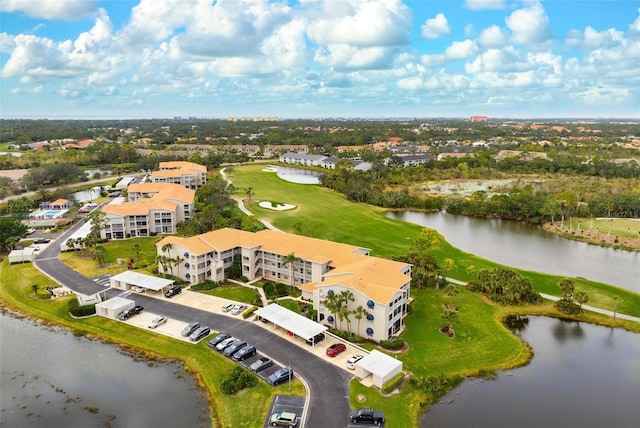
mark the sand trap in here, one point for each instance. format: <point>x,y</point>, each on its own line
<point>270,169</point>
<point>270,206</point>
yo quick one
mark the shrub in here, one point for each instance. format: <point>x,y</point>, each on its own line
<point>268,289</point>
<point>393,345</point>
<point>351,337</point>
<point>205,285</point>
<point>80,311</point>
<point>567,307</point>
<point>237,380</point>
<point>246,314</point>
<point>43,294</point>
<point>392,384</point>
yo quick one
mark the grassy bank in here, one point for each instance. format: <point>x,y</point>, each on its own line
<point>247,409</point>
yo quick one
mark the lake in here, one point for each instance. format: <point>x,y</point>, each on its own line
<point>526,246</point>
<point>582,375</point>
<point>50,378</point>
<point>298,175</point>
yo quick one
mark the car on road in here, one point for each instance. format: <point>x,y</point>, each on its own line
<point>41,241</point>
<point>226,342</point>
<point>281,375</point>
<point>261,364</point>
<point>235,346</point>
<point>219,338</point>
<point>173,291</point>
<point>283,419</point>
<point>128,313</point>
<point>244,353</point>
<point>336,349</point>
<point>200,333</point>
<point>30,231</point>
<point>190,328</point>
<point>315,339</point>
<point>238,309</point>
<point>227,307</point>
<point>158,321</point>
<point>351,362</point>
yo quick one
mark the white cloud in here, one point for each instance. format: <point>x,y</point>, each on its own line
<point>636,24</point>
<point>594,39</point>
<point>530,25</point>
<point>491,37</point>
<point>454,52</point>
<point>66,10</point>
<point>436,27</point>
<point>485,4</point>
<point>364,23</point>
<point>350,57</point>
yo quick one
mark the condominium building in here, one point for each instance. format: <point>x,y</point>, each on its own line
<point>317,267</point>
<point>151,208</point>
<point>188,174</point>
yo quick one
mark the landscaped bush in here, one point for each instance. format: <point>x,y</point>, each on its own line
<point>246,314</point>
<point>80,311</point>
<point>268,289</point>
<point>351,337</point>
<point>205,285</point>
<point>43,294</point>
<point>567,307</point>
<point>394,383</point>
<point>238,380</point>
<point>392,345</point>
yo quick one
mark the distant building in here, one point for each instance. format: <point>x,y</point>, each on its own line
<point>188,174</point>
<point>479,119</point>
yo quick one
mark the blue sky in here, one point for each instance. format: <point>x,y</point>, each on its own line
<point>319,58</point>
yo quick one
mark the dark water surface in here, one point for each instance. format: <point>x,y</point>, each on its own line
<point>582,375</point>
<point>50,378</point>
<point>529,247</point>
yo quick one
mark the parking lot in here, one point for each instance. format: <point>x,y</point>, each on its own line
<point>285,403</point>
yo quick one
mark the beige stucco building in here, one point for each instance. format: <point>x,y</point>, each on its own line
<point>187,174</point>
<point>380,286</point>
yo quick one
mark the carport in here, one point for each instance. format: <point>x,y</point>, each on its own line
<point>113,307</point>
<point>381,366</point>
<point>129,280</point>
<point>295,323</point>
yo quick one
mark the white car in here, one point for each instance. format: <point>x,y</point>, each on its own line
<point>227,307</point>
<point>351,362</point>
<point>238,308</point>
<point>157,321</point>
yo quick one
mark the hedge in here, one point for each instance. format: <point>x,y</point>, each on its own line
<point>394,383</point>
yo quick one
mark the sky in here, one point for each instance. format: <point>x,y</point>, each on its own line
<point>319,58</point>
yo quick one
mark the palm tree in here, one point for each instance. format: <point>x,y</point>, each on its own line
<point>360,312</point>
<point>567,286</point>
<point>449,265</point>
<point>249,194</point>
<point>450,317</point>
<point>99,254</point>
<point>176,263</point>
<point>166,248</point>
<point>332,303</point>
<point>345,297</point>
<point>136,248</point>
<point>290,259</point>
<point>450,290</point>
<point>581,298</point>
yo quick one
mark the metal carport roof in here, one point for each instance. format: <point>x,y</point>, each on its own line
<point>289,320</point>
<point>142,280</point>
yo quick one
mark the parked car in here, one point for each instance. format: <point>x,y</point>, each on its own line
<point>216,340</point>
<point>173,291</point>
<point>336,349</point>
<point>367,416</point>
<point>30,231</point>
<point>238,309</point>
<point>244,353</point>
<point>222,345</point>
<point>280,376</point>
<point>128,313</point>
<point>261,364</point>
<point>283,419</point>
<point>235,346</point>
<point>227,307</point>
<point>200,333</point>
<point>351,362</point>
<point>41,241</point>
<point>190,328</point>
<point>158,321</point>
<point>315,339</point>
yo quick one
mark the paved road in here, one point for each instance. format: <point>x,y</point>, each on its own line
<point>327,385</point>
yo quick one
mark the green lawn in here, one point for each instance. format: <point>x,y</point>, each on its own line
<point>237,293</point>
<point>626,227</point>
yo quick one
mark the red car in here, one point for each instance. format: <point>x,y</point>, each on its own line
<point>335,349</point>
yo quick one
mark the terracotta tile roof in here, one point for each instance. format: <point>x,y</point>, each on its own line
<point>164,191</point>
<point>141,207</point>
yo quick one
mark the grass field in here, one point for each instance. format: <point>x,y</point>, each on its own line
<point>616,226</point>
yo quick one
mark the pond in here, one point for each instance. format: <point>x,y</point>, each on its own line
<point>298,175</point>
<point>50,378</point>
<point>527,246</point>
<point>581,375</point>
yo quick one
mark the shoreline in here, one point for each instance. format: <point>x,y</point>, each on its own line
<point>600,239</point>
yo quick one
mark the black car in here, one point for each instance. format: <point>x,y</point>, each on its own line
<point>42,241</point>
<point>200,333</point>
<point>219,338</point>
<point>261,364</point>
<point>244,353</point>
<point>315,339</point>
<point>175,290</point>
<point>235,346</point>
<point>128,313</point>
<point>281,375</point>
<point>190,328</point>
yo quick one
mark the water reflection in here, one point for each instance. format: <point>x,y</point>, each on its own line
<point>298,175</point>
